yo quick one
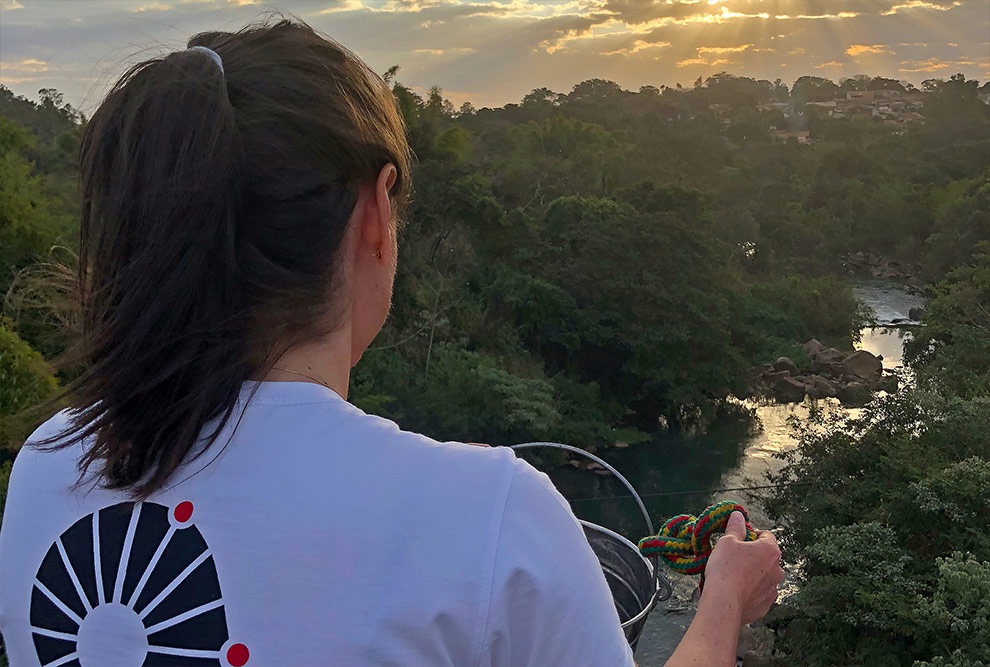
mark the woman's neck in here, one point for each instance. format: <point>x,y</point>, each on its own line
<point>326,362</point>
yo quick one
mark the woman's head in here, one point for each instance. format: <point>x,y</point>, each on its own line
<point>229,213</point>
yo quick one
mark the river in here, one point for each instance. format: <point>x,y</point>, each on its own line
<point>676,474</point>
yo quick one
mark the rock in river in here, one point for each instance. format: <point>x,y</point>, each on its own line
<point>788,390</point>
<point>785,364</point>
<point>855,394</point>
<point>819,387</point>
<point>864,365</point>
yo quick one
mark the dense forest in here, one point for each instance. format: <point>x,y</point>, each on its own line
<point>601,264</point>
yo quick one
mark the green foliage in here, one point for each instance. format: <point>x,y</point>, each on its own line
<point>28,225</point>
<point>793,309</point>
<point>869,505</point>
<point>887,510</point>
<point>957,617</point>
<point>25,381</point>
<point>952,350</point>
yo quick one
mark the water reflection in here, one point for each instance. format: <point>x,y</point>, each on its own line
<point>671,473</point>
<point>888,301</point>
<point>887,342</point>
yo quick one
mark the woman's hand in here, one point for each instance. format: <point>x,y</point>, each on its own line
<point>746,572</point>
<point>740,585</point>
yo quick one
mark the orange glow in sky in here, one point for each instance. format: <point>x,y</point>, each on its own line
<point>491,52</point>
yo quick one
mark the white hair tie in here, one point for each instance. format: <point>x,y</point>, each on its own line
<point>211,53</point>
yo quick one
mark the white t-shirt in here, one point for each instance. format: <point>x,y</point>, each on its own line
<point>319,535</point>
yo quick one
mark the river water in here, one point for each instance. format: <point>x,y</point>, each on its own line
<point>676,474</point>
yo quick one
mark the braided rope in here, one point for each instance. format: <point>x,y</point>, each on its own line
<point>685,541</point>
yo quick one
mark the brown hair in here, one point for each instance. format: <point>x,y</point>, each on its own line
<point>215,202</point>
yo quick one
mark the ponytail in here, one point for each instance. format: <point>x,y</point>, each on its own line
<point>217,184</point>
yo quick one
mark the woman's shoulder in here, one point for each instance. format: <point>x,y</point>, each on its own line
<point>41,447</point>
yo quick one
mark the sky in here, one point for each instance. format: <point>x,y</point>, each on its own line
<point>492,52</point>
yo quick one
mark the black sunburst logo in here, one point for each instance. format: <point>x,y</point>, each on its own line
<point>131,584</point>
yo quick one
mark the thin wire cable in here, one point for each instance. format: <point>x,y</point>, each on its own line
<point>688,493</point>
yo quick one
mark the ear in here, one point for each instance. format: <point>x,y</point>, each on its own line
<point>377,228</point>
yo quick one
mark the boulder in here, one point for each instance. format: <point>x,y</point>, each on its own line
<point>619,444</point>
<point>813,347</point>
<point>917,313</point>
<point>854,394</point>
<point>828,356</point>
<point>785,364</point>
<point>819,387</point>
<point>900,320</point>
<point>771,377</point>
<point>788,390</point>
<point>828,361</point>
<point>833,371</point>
<point>888,383</point>
<point>864,365</point>
<point>757,659</point>
<point>756,639</point>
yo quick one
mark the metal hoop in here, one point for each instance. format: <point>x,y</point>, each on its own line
<point>601,462</point>
<point>663,589</point>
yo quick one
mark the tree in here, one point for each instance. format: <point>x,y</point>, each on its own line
<point>813,89</point>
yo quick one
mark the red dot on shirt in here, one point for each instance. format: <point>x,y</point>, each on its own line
<point>237,655</point>
<point>183,512</point>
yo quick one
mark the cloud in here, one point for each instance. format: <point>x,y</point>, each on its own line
<point>930,65</point>
<point>694,62</point>
<point>26,65</point>
<point>343,6</point>
<point>518,45</point>
<point>936,65</point>
<point>859,49</point>
<point>638,45</point>
<point>28,70</point>
<point>702,50</point>
<point>447,51</point>
<point>921,4</point>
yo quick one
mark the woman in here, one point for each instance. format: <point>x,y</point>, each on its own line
<point>212,498</point>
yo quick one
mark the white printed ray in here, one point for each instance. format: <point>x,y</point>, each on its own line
<point>183,652</point>
<point>96,559</point>
<point>54,634</point>
<point>72,575</point>
<point>58,603</point>
<point>155,557</point>
<point>125,554</point>
<point>175,620</point>
<point>174,583</point>
<point>64,659</point>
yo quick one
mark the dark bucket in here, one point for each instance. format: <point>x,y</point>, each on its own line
<point>636,583</point>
